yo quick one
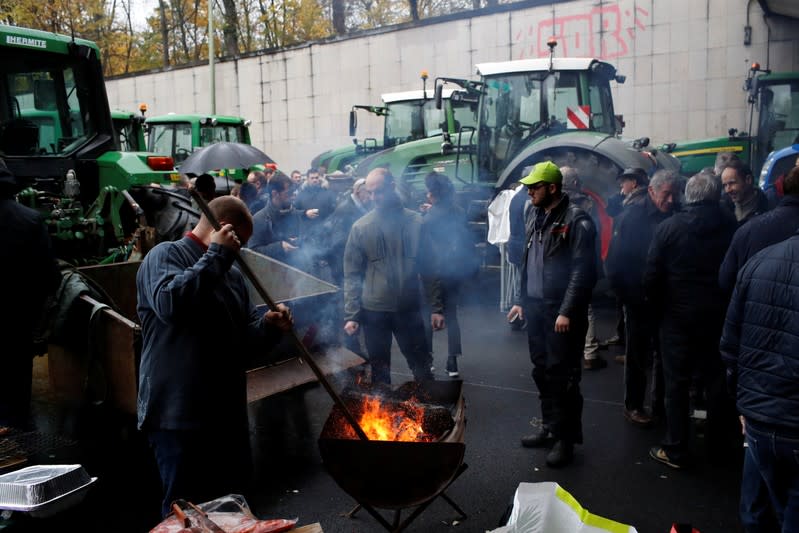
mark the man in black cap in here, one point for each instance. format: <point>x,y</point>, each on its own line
<point>29,274</point>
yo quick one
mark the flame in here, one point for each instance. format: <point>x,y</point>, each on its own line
<point>380,421</point>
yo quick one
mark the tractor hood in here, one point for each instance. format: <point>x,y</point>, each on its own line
<point>607,146</point>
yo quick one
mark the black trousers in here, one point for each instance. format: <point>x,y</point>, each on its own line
<point>691,350</point>
<point>405,326</point>
<point>450,296</point>
<point>557,366</point>
<point>15,389</point>
<point>643,350</point>
<point>201,465</point>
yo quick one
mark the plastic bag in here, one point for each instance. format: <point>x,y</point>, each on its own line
<point>548,508</point>
<point>231,513</point>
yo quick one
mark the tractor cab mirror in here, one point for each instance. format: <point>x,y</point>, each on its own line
<point>353,122</point>
<point>44,95</point>
<point>620,124</point>
<point>439,96</point>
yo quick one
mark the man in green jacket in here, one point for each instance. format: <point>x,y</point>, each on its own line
<point>386,253</point>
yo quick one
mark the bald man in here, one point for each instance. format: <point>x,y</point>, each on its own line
<point>387,251</point>
<point>198,325</point>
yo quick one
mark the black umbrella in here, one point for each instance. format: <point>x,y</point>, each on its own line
<point>223,155</point>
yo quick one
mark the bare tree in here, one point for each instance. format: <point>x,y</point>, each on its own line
<point>414,6</point>
<point>164,32</point>
<point>339,9</point>
<point>230,28</point>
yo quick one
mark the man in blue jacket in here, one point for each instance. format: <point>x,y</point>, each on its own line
<point>198,325</point>
<point>760,346</point>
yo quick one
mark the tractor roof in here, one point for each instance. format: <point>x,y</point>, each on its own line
<point>13,36</point>
<point>535,65</point>
<point>200,118</point>
<point>390,98</point>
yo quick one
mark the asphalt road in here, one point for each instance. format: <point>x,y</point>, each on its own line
<point>611,475</point>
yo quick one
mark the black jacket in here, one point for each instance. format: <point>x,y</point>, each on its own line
<point>770,228</point>
<point>760,343</point>
<point>454,254</point>
<point>680,280</point>
<point>626,260</point>
<point>569,258</point>
<point>272,226</point>
<point>28,273</point>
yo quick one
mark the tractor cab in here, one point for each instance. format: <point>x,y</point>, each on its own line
<point>527,100</point>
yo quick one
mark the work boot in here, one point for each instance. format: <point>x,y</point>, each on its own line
<point>452,366</point>
<point>540,439</point>
<point>638,417</point>
<point>561,454</point>
<point>595,364</point>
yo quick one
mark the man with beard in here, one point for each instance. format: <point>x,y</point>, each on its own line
<point>553,292</point>
<point>625,264</point>
<point>386,252</point>
<point>276,226</point>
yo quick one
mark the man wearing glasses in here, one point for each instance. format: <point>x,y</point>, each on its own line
<point>558,274</point>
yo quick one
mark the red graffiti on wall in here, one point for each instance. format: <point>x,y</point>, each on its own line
<point>605,32</point>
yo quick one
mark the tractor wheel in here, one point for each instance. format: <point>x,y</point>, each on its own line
<point>169,213</point>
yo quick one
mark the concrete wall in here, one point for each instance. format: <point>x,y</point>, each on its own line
<point>685,62</point>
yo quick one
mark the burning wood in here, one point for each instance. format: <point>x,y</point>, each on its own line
<point>392,419</point>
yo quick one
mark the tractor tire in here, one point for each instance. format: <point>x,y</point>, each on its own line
<point>169,213</point>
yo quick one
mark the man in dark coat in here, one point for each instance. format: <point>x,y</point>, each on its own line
<point>553,292</point>
<point>760,346</point>
<point>29,274</point>
<point>765,230</point>
<point>455,258</point>
<point>742,197</point>
<point>276,226</point>
<point>625,264</point>
<point>337,227</point>
<point>314,203</point>
<point>198,325</point>
<point>680,282</point>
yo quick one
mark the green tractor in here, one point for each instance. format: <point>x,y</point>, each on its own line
<point>408,116</point>
<point>527,111</point>
<point>130,129</point>
<point>776,97</point>
<point>58,138</point>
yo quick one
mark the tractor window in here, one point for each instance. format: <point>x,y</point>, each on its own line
<point>47,111</point>
<point>779,116</point>
<point>563,94</point>
<point>183,142</point>
<point>125,137</point>
<point>409,121</point>
<point>221,133</point>
<point>601,101</point>
<point>465,115</point>
<point>161,138</point>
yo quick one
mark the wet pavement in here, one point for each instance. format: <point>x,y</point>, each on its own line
<point>611,476</point>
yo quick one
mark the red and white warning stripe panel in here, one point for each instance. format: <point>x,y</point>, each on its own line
<point>578,117</point>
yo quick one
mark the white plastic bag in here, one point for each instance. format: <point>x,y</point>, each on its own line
<point>548,508</point>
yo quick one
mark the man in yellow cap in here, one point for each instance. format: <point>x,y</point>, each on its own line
<point>558,274</point>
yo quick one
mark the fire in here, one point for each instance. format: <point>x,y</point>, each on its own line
<point>403,423</point>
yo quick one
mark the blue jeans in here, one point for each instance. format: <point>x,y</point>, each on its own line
<point>776,454</point>
<point>755,505</point>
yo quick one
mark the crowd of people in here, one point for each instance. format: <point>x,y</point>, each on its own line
<point>703,271</point>
<point>705,274</point>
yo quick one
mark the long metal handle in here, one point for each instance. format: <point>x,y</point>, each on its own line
<point>304,353</point>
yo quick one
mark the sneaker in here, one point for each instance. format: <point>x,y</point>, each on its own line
<point>614,341</point>
<point>595,364</point>
<point>542,439</point>
<point>561,454</point>
<point>659,454</point>
<point>621,359</point>
<point>638,417</point>
<point>452,366</point>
